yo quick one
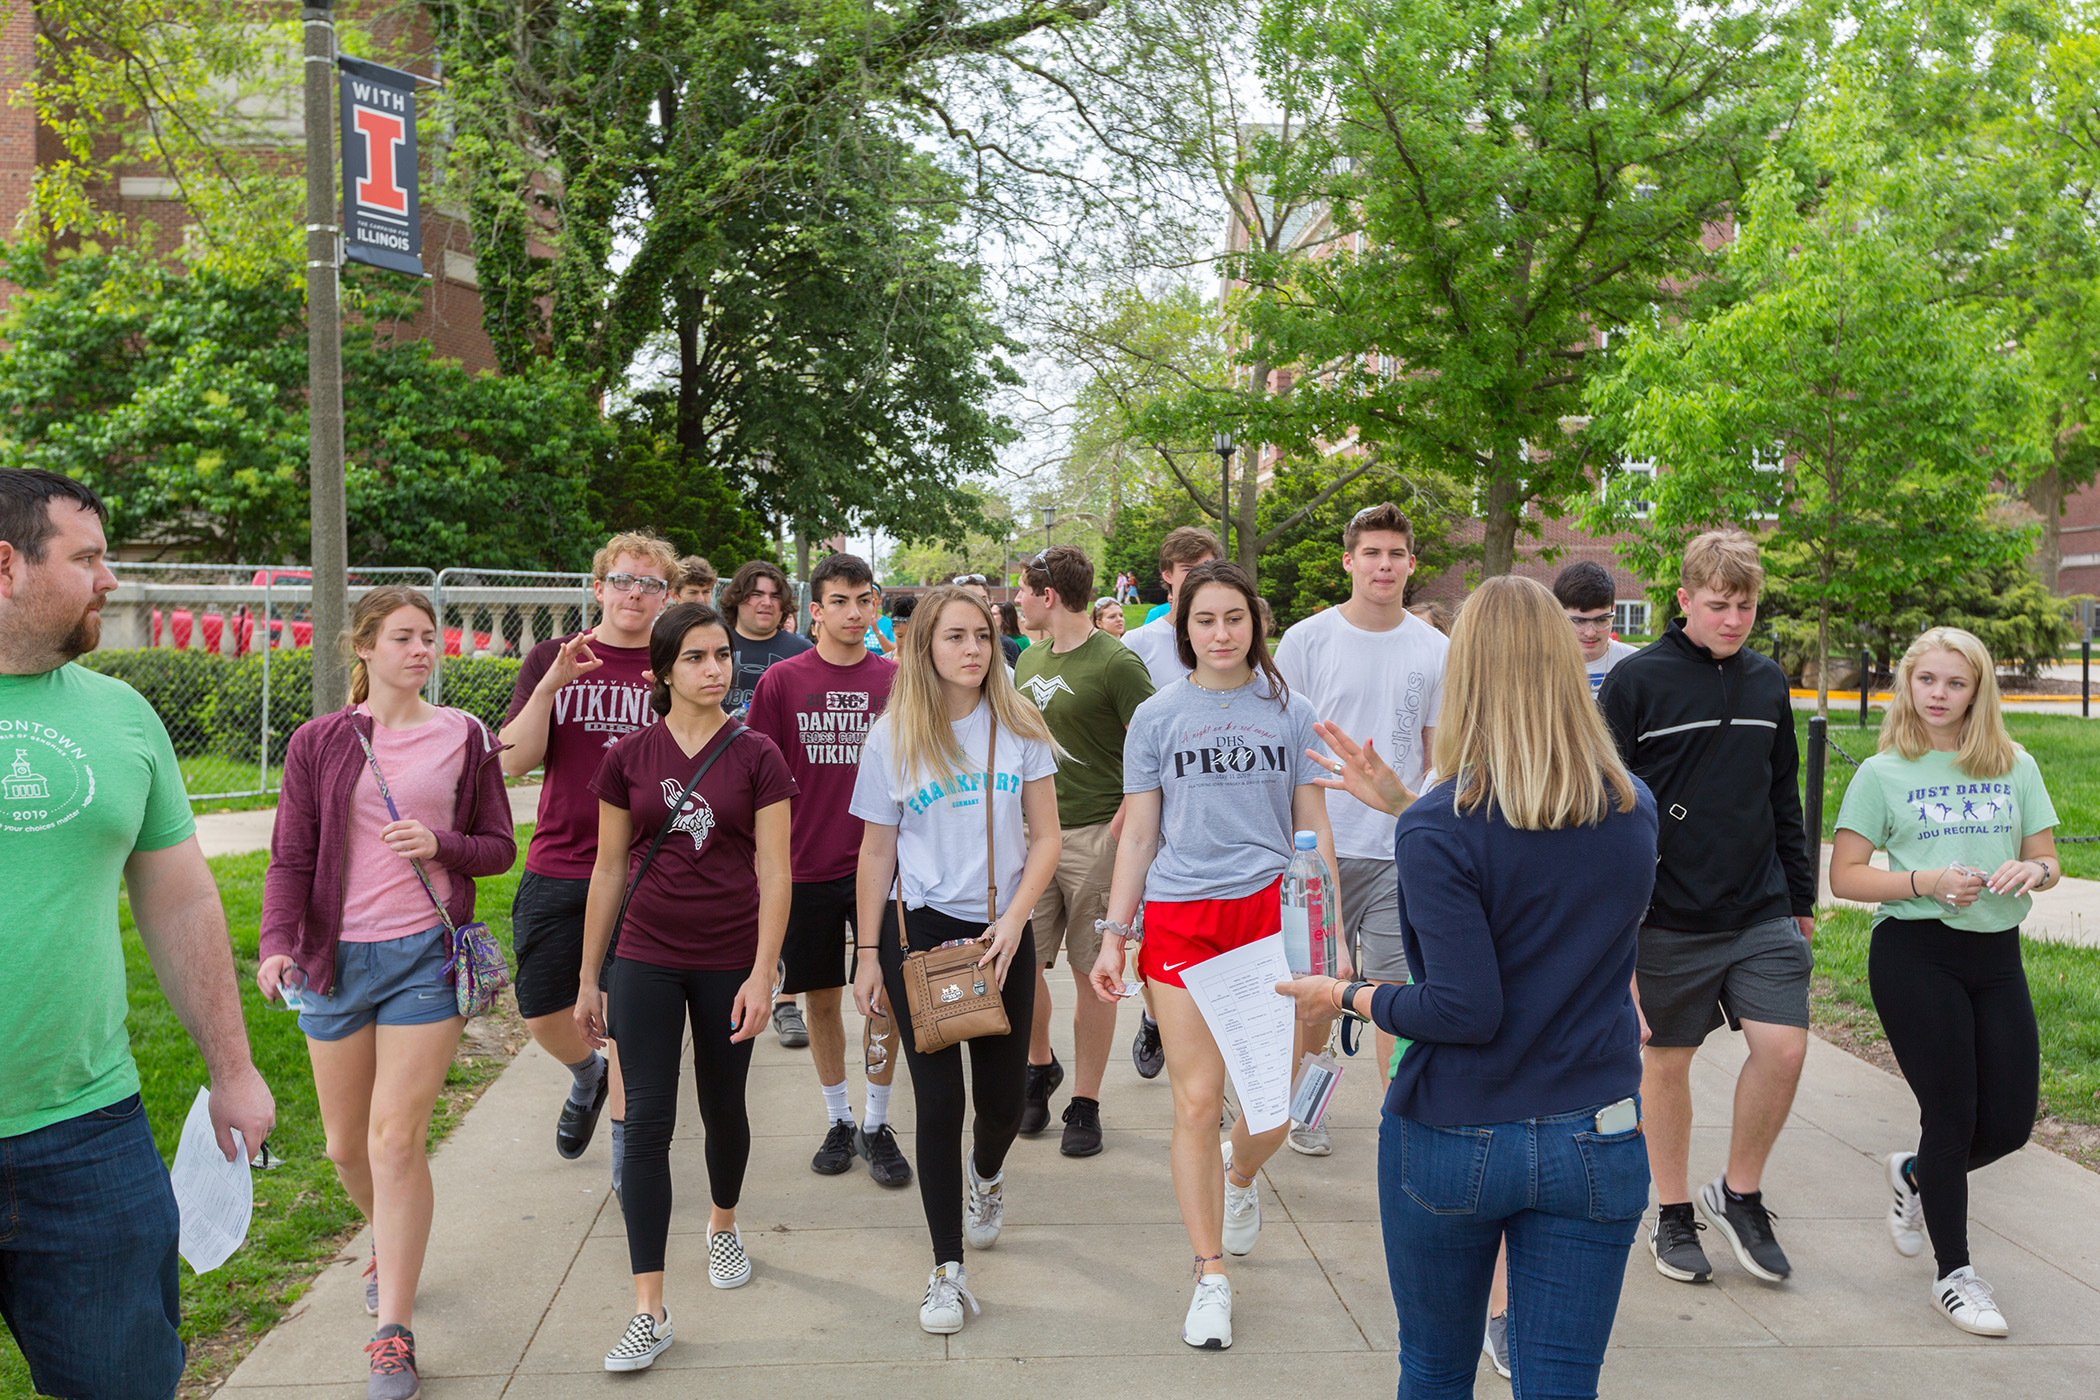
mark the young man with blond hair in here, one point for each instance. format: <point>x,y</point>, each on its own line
<point>1087,684</point>
<point>1708,724</point>
<point>574,697</point>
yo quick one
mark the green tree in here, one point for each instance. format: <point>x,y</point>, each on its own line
<point>1501,182</point>
<point>1842,405</point>
<point>1301,568</point>
<point>181,398</point>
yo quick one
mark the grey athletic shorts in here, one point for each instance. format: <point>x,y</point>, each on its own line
<point>1371,917</point>
<point>1692,982</point>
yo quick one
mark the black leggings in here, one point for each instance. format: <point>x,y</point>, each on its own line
<point>651,1004</point>
<point>998,1068</point>
<point>1958,1016</point>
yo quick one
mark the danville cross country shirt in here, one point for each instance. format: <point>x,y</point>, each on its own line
<point>590,714</point>
<point>819,715</point>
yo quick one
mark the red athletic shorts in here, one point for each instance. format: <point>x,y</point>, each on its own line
<point>1182,933</point>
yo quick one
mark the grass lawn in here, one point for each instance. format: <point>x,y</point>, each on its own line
<point>2063,978</point>
<point>301,1215</point>
<point>2066,747</point>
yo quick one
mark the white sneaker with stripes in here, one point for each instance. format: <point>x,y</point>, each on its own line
<point>644,1340</point>
<point>1906,1217</point>
<point>1967,1302</point>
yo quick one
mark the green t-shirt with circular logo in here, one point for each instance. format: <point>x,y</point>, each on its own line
<point>87,777</point>
<point>1928,814</point>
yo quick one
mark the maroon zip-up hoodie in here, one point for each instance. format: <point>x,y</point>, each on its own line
<point>303,890</point>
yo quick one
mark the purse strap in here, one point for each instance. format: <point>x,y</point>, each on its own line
<point>991,876</point>
<point>395,813</point>
<point>620,919</point>
<point>1671,821</point>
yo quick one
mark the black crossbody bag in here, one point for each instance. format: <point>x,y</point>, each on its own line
<point>1669,822</point>
<point>612,948</point>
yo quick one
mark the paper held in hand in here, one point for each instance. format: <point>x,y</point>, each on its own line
<point>213,1195</point>
<point>1252,1023</point>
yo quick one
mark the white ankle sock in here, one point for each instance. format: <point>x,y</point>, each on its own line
<point>835,1102</point>
<point>878,1107</point>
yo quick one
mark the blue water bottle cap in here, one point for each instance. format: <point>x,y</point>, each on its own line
<point>1306,841</point>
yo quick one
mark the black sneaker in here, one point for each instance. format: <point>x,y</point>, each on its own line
<point>1040,1084</point>
<point>1747,1226</point>
<point>1082,1128</point>
<point>573,1133</point>
<point>1146,1052</point>
<point>878,1146</point>
<point>789,1026</point>
<point>836,1154</point>
<point>1675,1244</point>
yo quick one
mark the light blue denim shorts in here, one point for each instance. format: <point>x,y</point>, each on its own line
<point>396,982</point>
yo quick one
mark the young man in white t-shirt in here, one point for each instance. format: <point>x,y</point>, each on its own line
<point>1375,671</point>
<point>1180,551</point>
<point>1587,593</point>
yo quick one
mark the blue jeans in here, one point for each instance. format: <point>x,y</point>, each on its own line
<point>1569,1201</point>
<point>87,1257</point>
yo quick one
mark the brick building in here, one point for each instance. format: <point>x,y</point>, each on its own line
<point>450,314</point>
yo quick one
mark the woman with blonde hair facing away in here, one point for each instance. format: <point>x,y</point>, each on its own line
<point>387,807</point>
<point>1217,781</point>
<point>1514,1109</point>
<point>955,737</point>
<point>1968,826</point>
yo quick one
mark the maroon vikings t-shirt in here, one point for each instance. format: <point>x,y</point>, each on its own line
<point>697,908</point>
<point>818,714</point>
<point>589,714</point>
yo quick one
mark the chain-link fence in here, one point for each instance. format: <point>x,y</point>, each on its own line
<point>492,618</point>
<point>224,653</point>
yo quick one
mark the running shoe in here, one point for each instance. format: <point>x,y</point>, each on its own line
<point>727,1264</point>
<point>1082,1128</point>
<point>1041,1082</point>
<point>878,1146</point>
<point>372,1284</point>
<point>644,1340</point>
<point>1146,1052</point>
<point>1313,1142</point>
<point>1906,1212</point>
<point>1242,1213</point>
<point>984,1212</point>
<point>1966,1300</point>
<point>836,1154</point>
<point>572,1133</point>
<point>1747,1226</point>
<point>1674,1241</point>
<point>946,1292</point>
<point>1496,1344</point>
<point>1209,1323</point>
<point>393,1354</point>
<point>789,1025</point>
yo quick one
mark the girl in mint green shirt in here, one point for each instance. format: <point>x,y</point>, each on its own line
<point>1968,827</point>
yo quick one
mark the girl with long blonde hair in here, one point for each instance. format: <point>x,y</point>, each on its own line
<point>1513,1112</point>
<point>957,792</point>
<point>1969,830</point>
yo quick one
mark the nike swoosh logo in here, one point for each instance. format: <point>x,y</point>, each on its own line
<point>1175,967</point>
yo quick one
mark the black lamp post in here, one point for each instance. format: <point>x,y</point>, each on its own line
<point>1223,445</point>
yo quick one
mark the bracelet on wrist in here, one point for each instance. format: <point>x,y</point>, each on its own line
<point>1913,884</point>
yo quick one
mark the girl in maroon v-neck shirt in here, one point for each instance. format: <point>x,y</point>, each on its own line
<point>700,939</point>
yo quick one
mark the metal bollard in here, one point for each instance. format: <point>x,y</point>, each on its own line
<point>1866,683</point>
<point>2085,683</point>
<point>1818,731</point>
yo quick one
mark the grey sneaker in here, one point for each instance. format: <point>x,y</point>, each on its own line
<point>393,1354</point>
<point>372,1284</point>
<point>1496,1344</point>
<point>1747,1226</point>
<point>789,1025</point>
<point>1146,1052</point>
<point>1675,1244</point>
<point>1313,1142</point>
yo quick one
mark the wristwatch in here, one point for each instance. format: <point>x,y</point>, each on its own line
<point>1349,997</point>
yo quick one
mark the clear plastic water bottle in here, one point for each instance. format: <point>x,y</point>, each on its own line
<point>1309,896</point>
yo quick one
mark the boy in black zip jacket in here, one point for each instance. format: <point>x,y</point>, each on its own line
<point>1709,726</point>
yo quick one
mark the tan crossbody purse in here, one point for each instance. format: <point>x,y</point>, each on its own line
<point>951,998</point>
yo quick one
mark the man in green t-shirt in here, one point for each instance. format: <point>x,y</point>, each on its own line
<point>1087,684</point>
<point>90,794</point>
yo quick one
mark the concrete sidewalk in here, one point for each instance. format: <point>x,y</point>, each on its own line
<point>2067,913</point>
<point>236,833</point>
<point>526,1285</point>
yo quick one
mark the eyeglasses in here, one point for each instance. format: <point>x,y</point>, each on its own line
<point>627,583</point>
<point>1591,624</point>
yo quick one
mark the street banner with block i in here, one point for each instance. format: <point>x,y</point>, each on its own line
<point>382,221</point>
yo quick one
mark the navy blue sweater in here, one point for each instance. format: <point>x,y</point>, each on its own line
<point>1521,946</point>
